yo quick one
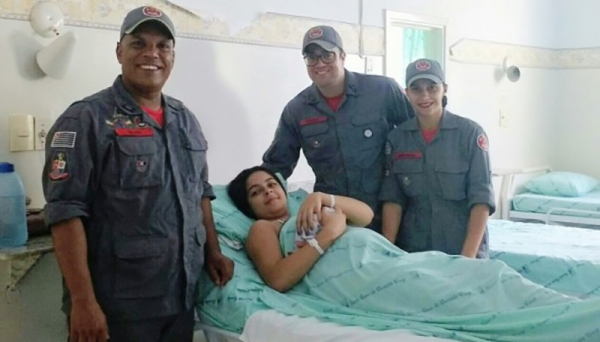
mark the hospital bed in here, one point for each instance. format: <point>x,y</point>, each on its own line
<point>223,321</point>
<point>566,259</point>
<point>562,258</point>
<point>517,204</point>
<point>271,326</point>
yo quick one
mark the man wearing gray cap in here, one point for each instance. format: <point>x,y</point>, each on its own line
<point>340,123</point>
<point>128,199</point>
<point>438,190</point>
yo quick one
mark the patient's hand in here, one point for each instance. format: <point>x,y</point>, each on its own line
<point>310,208</point>
<point>333,222</point>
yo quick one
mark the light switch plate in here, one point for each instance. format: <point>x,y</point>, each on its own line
<point>21,132</point>
<point>42,127</point>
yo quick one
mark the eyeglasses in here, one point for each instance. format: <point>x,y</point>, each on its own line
<point>312,59</point>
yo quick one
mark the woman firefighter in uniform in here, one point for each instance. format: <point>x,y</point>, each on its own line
<point>437,190</point>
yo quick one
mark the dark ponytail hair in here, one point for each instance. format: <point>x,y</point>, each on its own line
<point>238,192</point>
<point>444,101</point>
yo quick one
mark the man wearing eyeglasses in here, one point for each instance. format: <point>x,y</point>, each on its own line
<point>340,122</point>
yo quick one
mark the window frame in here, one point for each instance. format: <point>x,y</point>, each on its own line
<point>396,19</point>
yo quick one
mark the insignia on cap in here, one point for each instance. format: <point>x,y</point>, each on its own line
<point>422,65</point>
<point>315,32</point>
<point>150,11</point>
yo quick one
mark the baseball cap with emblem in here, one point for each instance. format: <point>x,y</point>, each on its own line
<point>144,14</point>
<point>424,68</point>
<point>324,36</point>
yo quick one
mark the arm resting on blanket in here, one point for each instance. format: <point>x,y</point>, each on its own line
<point>283,272</point>
<point>359,214</point>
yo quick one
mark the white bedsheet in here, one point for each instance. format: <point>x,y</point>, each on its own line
<point>544,240</point>
<point>535,203</point>
<point>272,326</point>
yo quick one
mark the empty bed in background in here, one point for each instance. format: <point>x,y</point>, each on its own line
<point>518,203</point>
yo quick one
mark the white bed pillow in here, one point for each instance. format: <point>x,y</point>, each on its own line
<point>562,183</point>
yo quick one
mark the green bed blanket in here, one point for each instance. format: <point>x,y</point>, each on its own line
<point>364,280</point>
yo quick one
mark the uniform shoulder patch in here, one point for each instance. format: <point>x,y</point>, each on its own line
<point>64,139</point>
<point>482,142</point>
<point>59,167</point>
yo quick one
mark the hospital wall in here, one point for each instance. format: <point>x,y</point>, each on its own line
<point>578,139</point>
<point>578,136</point>
<point>238,91</point>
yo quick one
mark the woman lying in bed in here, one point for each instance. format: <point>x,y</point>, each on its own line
<point>343,272</point>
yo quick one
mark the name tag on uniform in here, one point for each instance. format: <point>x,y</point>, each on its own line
<point>134,132</point>
<point>408,155</point>
<point>312,121</point>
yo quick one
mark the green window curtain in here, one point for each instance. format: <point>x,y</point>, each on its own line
<point>418,43</point>
<point>414,46</point>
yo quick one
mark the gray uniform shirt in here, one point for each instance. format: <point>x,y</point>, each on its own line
<point>438,183</point>
<point>137,188</point>
<point>344,148</point>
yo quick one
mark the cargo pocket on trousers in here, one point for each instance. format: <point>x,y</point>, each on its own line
<point>141,267</point>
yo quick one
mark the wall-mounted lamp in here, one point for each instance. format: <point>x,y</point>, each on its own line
<point>47,20</point>
<point>513,73</point>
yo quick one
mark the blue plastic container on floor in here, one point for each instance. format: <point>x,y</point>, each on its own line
<point>13,214</point>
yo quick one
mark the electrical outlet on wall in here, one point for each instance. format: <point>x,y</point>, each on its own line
<point>42,127</point>
<point>504,120</point>
<point>504,111</point>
